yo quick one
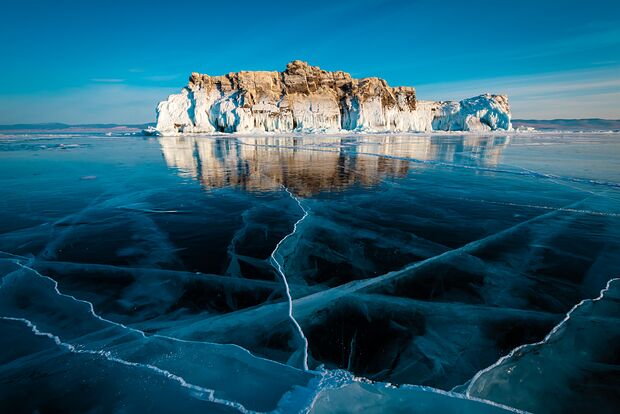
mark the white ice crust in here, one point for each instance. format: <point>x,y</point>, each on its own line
<point>196,111</point>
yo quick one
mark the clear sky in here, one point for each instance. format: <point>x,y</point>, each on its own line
<point>112,61</point>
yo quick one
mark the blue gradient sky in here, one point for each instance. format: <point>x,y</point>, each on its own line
<point>95,61</point>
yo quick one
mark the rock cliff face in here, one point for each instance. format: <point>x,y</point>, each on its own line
<point>307,98</point>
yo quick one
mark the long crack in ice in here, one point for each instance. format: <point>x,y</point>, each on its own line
<point>200,392</point>
<point>544,341</point>
<point>91,310</point>
<point>317,299</point>
<point>543,207</point>
<point>280,271</point>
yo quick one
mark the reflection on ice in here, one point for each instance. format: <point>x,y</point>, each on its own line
<point>312,164</point>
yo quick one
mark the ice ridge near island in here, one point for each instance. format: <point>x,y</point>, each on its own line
<point>305,98</point>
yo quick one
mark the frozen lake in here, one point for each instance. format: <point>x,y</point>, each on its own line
<point>231,273</point>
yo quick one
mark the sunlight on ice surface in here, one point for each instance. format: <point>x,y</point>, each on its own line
<point>202,273</point>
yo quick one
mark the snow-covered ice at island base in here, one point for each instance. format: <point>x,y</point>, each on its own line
<point>192,112</point>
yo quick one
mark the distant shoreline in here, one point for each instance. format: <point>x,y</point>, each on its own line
<point>587,124</point>
<point>61,127</point>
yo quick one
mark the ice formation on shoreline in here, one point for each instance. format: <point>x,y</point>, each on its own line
<point>307,99</point>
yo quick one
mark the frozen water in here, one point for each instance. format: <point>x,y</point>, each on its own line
<point>297,273</point>
<point>381,398</point>
<point>577,361</point>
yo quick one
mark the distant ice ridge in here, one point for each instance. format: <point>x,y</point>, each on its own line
<point>304,98</point>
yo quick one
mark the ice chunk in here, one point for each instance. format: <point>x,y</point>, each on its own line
<point>481,113</point>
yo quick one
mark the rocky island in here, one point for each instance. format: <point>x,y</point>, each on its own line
<point>305,98</point>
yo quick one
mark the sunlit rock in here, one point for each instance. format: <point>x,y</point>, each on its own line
<point>305,98</point>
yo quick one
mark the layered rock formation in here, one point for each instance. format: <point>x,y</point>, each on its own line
<point>307,98</point>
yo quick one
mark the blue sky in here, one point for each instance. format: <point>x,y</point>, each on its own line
<point>112,61</point>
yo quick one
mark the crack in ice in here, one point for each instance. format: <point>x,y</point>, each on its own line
<point>13,255</point>
<point>542,207</point>
<point>200,391</point>
<point>465,249</point>
<point>553,331</point>
<point>280,271</point>
<point>312,300</point>
<point>138,331</point>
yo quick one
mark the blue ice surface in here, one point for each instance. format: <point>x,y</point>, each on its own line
<point>311,273</point>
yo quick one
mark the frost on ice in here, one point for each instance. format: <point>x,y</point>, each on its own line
<point>306,98</point>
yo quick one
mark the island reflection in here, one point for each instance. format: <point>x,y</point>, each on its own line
<point>309,165</point>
